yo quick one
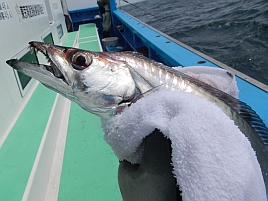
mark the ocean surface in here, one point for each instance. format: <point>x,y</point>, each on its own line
<point>234,32</point>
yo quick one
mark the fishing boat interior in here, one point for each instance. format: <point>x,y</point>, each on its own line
<point>50,148</point>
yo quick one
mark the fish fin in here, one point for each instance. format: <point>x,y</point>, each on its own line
<point>146,93</point>
<point>142,84</point>
<point>254,120</point>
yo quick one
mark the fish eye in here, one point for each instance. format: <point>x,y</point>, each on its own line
<point>80,60</point>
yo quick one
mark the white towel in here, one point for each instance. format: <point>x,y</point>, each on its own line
<point>212,159</point>
<point>216,77</point>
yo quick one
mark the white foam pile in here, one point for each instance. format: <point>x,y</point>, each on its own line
<point>212,159</point>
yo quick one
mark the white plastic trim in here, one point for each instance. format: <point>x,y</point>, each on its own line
<point>44,180</point>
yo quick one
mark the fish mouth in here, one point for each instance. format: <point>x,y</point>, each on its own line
<point>52,67</point>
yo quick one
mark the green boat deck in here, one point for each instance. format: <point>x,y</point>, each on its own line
<point>88,38</point>
<point>89,167</point>
<point>31,168</point>
<point>18,152</point>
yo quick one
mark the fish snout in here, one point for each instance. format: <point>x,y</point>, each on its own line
<point>13,63</point>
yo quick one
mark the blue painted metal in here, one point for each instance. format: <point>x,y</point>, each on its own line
<point>255,97</point>
<point>86,15</point>
<point>175,55</point>
<point>159,46</point>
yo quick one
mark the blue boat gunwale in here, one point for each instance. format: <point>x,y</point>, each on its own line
<point>164,50</point>
<point>119,17</point>
<point>163,42</point>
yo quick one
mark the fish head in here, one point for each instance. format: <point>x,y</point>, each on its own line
<point>98,83</point>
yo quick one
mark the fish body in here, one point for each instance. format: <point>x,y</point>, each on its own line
<point>104,83</point>
<point>154,74</point>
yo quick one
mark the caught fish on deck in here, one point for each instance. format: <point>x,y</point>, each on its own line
<point>103,83</point>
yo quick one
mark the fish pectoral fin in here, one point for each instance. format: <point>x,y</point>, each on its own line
<point>142,84</point>
<point>146,93</point>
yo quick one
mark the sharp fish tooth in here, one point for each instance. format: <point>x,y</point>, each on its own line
<point>31,49</point>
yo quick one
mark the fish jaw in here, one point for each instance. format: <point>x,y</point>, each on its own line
<point>40,73</point>
<point>94,81</point>
<point>57,57</point>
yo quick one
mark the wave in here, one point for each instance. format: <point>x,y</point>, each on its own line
<point>234,32</point>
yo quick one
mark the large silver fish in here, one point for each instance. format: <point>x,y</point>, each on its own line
<point>103,83</point>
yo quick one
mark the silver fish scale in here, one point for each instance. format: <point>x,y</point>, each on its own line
<point>157,74</point>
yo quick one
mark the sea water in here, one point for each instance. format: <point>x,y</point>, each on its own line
<point>234,32</point>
